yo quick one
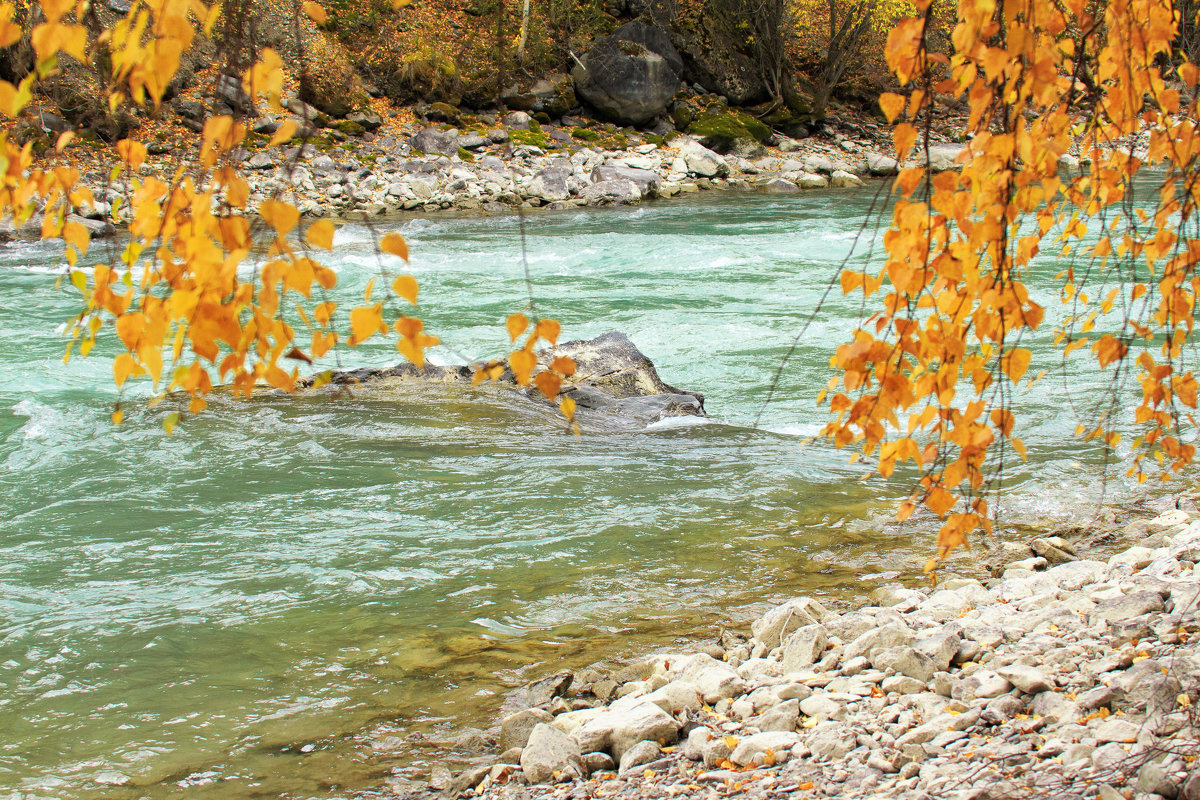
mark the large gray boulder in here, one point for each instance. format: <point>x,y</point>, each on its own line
<point>617,191</point>
<point>630,76</point>
<point>615,386</point>
<point>619,729</point>
<point>432,140</point>
<point>614,377</point>
<point>547,752</point>
<point>648,182</point>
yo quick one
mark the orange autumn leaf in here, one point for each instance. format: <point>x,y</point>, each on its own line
<point>320,234</point>
<point>394,243</point>
<point>522,363</point>
<point>406,287</point>
<point>516,325</point>
<point>548,384</point>
<point>365,322</point>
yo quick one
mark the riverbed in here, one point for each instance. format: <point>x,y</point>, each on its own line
<point>297,595</point>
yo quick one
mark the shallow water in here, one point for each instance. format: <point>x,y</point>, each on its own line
<point>252,606</point>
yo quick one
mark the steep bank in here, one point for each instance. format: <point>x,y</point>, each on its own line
<point>1067,679</point>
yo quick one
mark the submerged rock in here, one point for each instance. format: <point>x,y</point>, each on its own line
<point>615,385</point>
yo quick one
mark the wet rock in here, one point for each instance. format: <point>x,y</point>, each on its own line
<point>515,728</point>
<point>616,379</point>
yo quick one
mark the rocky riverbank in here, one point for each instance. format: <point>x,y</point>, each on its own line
<point>1063,677</point>
<point>499,164</point>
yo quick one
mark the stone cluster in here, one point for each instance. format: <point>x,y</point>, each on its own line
<point>1068,679</point>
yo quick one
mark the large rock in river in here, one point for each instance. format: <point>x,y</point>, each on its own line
<point>630,76</point>
<point>615,386</point>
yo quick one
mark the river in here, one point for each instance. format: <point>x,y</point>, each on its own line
<point>254,605</point>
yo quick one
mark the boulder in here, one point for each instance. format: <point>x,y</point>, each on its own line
<point>626,81</point>
<point>369,120</point>
<point>942,157</point>
<point>616,191</point>
<point>803,648</point>
<point>614,377</point>
<point>515,728</point>
<point>432,140</point>
<point>758,749</point>
<point>778,623</point>
<point>841,179</point>
<point>553,95</point>
<point>648,182</point>
<point>616,730</point>
<point>700,160</point>
<point>780,186</point>
<point>550,184</point>
<point>548,751</point>
<point>615,386</point>
<point>881,165</point>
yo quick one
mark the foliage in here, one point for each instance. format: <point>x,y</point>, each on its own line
<point>932,375</point>
<point>187,302</point>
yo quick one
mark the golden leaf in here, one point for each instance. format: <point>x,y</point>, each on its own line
<point>365,322</point>
<point>406,287</point>
<point>522,363</point>
<point>281,216</point>
<point>891,104</point>
<point>284,133</point>
<point>516,325</point>
<point>394,243</point>
<point>320,234</point>
<point>563,365</point>
<point>315,12</point>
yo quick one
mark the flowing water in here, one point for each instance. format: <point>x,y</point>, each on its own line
<point>292,596</point>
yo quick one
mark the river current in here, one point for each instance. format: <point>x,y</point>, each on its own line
<point>294,596</point>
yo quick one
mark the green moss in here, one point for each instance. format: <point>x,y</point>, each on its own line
<point>349,128</point>
<point>654,138</point>
<point>584,135</point>
<point>723,129</point>
<point>530,137</point>
<point>466,155</point>
<point>535,126</point>
<point>540,117</point>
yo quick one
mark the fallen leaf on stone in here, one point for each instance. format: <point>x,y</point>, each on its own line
<point>1184,701</point>
<point>648,773</point>
<point>730,741</point>
<point>806,786</point>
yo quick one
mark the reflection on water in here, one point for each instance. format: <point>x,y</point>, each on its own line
<point>298,595</point>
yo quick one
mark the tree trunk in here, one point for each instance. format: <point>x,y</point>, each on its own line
<point>524,31</point>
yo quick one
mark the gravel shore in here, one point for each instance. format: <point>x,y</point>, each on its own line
<point>1065,677</point>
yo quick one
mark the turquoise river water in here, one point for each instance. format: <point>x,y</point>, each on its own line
<point>296,596</point>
